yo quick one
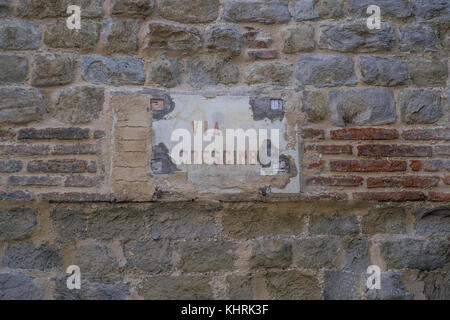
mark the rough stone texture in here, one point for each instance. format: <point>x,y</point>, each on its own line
<point>317,252</point>
<point>436,285</point>
<point>132,7</point>
<point>206,256</point>
<point>327,71</point>
<point>392,288</point>
<point>189,11</point>
<point>96,260</point>
<point>434,222</point>
<point>336,224</point>
<point>224,38</point>
<point>16,35</point>
<point>276,73</point>
<point>172,37</point>
<point>341,285</point>
<point>92,290</point>
<point>386,220</point>
<point>315,105</point>
<point>432,10</point>
<point>417,38</point>
<point>17,223</point>
<point>184,287</point>
<point>113,71</point>
<point>165,72</point>
<point>17,286</point>
<point>293,285</point>
<point>239,287</point>
<point>271,253</point>
<point>149,256</point>
<point>357,256</point>
<point>267,12</point>
<point>13,69</point>
<point>57,8</point>
<point>121,36</point>
<point>21,105</point>
<point>79,104</point>
<point>298,38</point>
<point>420,106</point>
<point>211,71</point>
<point>356,37</point>
<point>428,72</point>
<point>57,35</point>
<point>53,69</point>
<point>397,8</point>
<point>69,224</point>
<point>6,8</point>
<point>383,71</point>
<point>27,256</point>
<point>362,107</point>
<point>415,253</point>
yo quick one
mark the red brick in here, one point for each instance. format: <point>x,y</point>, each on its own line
<point>316,165</point>
<point>34,181</point>
<point>330,149</point>
<point>398,196</point>
<point>341,181</point>
<point>446,180</point>
<point>82,181</point>
<point>263,54</point>
<point>9,166</point>
<point>16,195</point>
<point>54,133</point>
<point>439,196</point>
<point>380,150</point>
<point>65,149</point>
<point>310,133</point>
<point>27,149</point>
<point>430,165</point>
<point>368,165</point>
<point>364,134</point>
<point>62,166</point>
<point>407,181</point>
<point>427,134</point>
<point>7,135</point>
<point>326,196</point>
<point>442,150</point>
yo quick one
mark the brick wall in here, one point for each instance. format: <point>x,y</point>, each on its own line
<point>365,120</point>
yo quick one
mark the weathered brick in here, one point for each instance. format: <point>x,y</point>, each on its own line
<point>121,36</point>
<point>61,166</point>
<point>330,149</point>
<point>427,134</point>
<point>420,106</point>
<point>26,149</point>
<point>149,256</point>
<point>341,285</point>
<point>398,196</point>
<point>368,165</point>
<point>78,104</point>
<point>17,223</point>
<point>310,133</point>
<point>336,181</point>
<point>21,105</point>
<point>439,196</point>
<point>65,149</point>
<point>115,71</point>
<point>53,133</point>
<point>425,72</point>
<point>252,223</point>
<point>393,150</point>
<point>50,69</point>
<point>7,135</point>
<point>133,7</point>
<point>430,165</point>
<point>383,71</point>
<point>17,35</point>
<point>417,38</point>
<point>293,285</point>
<point>364,134</point>
<point>182,287</point>
<point>316,165</point>
<point>189,11</point>
<point>443,150</point>
<point>317,252</point>
<point>333,224</point>
<point>415,253</point>
<point>364,106</point>
<point>82,181</point>
<point>16,195</point>
<point>356,37</point>
<point>34,181</point>
<point>27,256</point>
<point>406,181</point>
<point>327,71</point>
<point>9,166</point>
<point>206,256</point>
<point>16,286</point>
<point>446,180</point>
<point>257,11</point>
<point>172,37</point>
<point>271,253</point>
<point>13,69</point>
<point>385,220</point>
<point>57,35</point>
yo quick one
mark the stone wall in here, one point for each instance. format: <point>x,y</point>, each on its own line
<point>85,116</point>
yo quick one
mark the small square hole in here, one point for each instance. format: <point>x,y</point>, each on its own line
<point>276,104</point>
<point>157,104</point>
<point>157,166</point>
